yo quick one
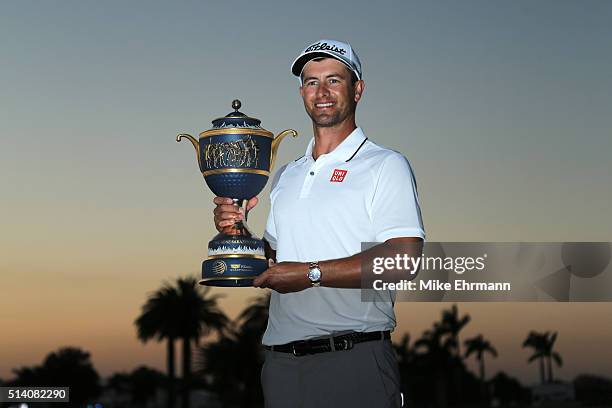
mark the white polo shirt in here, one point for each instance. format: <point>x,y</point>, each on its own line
<point>324,209</point>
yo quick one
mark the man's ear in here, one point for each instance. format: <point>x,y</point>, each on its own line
<point>359,88</point>
<point>302,91</point>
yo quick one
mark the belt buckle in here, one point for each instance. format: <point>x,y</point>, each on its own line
<point>346,343</point>
<point>303,350</point>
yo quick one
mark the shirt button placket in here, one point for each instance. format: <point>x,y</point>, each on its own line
<point>308,182</point>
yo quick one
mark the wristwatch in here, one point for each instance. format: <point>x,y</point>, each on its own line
<point>314,273</point>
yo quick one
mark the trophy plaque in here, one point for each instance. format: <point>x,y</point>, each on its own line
<point>235,158</point>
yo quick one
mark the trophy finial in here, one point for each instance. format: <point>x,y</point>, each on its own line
<point>236,104</point>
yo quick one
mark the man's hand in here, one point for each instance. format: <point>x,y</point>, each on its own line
<point>227,214</point>
<point>284,277</point>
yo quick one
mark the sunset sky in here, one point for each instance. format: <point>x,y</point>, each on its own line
<point>502,108</point>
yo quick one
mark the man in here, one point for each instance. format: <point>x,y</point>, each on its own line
<point>325,347</point>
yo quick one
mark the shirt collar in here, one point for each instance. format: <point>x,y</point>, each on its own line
<point>345,150</point>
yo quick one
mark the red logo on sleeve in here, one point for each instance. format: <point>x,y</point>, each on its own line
<point>338,176</point>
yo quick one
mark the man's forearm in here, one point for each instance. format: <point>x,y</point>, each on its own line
<point>347,272</point>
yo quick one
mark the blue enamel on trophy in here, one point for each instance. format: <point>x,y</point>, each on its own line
<point>235,158</point>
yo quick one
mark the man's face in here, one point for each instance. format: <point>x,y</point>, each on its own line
<point>329,96</point>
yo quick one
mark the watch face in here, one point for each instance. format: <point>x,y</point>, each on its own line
<point>314,274</point>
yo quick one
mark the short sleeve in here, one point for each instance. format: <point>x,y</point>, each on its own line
<point>395,207</point>
<point>270,231</point>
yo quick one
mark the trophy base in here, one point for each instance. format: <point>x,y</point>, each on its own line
<point>228,283</point>
<point>232,271</point>
<point>234,260</point>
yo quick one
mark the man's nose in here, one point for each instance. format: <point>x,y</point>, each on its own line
<point>322,89</point>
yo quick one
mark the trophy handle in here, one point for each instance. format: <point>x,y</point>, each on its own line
<point>195,144</point>
<point>276,143</point>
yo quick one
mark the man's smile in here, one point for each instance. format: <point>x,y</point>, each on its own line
<point>324,105</point>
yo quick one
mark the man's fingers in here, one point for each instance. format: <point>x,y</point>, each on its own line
<point>226,213</point>
<point>226,209</point>
<point>252,203</point>
<point>221,216</point>
<point>225,220</point>
<point>226,216</point>
<point>262,280</point>
<point>222,200</point>
<point>259,281</point>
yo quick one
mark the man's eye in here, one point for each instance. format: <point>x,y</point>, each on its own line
<point>333,81</point>
<point>311,83</point>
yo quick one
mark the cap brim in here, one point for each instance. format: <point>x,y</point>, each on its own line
<point>298,64</point>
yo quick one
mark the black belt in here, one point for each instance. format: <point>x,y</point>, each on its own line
<point>341,342</point>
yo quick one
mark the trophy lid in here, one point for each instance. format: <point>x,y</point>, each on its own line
<point>236,119</point>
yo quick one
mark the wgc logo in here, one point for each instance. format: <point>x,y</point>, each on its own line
<point>219,267</point>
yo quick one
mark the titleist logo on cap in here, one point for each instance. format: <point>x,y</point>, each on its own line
<point>325,46</point>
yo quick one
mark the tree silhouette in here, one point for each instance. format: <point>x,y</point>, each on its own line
<point>435,361</point>
<point>119,384</point>
<point>453,324</point>
<point>550,355</point>
<point>199,315</point>
<point>141,385</point>
<point>159,320</point>
<point>185,312</point>
<point>67,367</point>
<point>537,341</point>
<point>479,346</point>
<point>254,318</point>
<point>593,391</point>
<point>232,365</point>
<point>508,391</point>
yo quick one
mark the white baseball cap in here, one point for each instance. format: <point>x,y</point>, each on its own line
<point>339,50</point>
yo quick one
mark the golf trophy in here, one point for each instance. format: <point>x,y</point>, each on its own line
<point>235,158</point>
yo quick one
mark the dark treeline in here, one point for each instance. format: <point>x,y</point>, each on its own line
<point>221,360</point>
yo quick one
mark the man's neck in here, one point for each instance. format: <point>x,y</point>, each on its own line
<point>328,138</point>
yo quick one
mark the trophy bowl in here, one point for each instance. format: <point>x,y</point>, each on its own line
<point>235,158</point>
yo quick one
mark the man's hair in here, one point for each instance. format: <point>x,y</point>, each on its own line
<point>353,75</point>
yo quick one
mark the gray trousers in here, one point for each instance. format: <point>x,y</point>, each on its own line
<point>365,376</point>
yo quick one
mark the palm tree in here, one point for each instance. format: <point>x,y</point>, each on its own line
<point>453,324</point>
<point>431,340</point>
<point>66,367</point>
<point>254,318</point>
<point>232,365</point>
<point>438,361</point>
<point>198,315</point>
<point>180,312</point>
<point>550,355</point>
<point>480,346</point>
<point>537,341</point>
<point>159,320</point>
